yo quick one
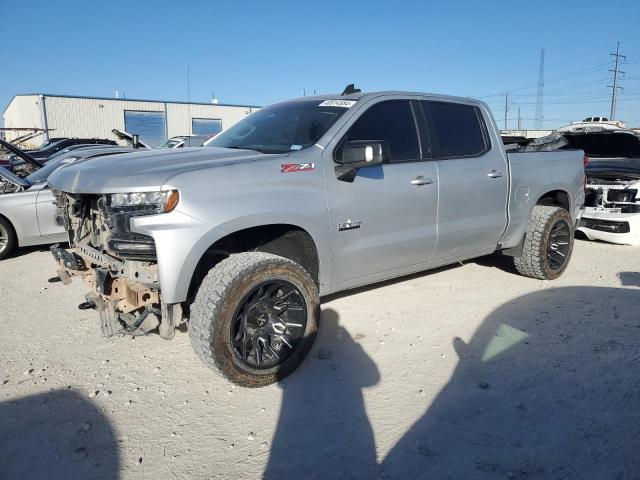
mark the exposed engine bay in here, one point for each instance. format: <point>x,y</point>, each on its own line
<point>612,202</point>
<point>7,186</point>
<point>619,196</point>
<point>612,210</point>
<point>17,162</point>
<point>118,265</point>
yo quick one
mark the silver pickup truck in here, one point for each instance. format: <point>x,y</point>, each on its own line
<point>302,199</point>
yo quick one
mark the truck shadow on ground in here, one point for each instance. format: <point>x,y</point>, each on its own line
<point>323,430</point>
<point>548,387</point>
<point>22,251</point>
<point>57,435</point>
<point>496,260</point>
<point>630,279</point>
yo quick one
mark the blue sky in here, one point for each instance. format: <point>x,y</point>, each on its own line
<point>261,52</point>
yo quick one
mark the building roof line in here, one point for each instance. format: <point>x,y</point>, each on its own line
<point>131,100</point>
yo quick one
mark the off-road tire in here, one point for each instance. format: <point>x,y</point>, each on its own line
<point>533,262</point>
<point>220,293</point>
<point>12,240</point>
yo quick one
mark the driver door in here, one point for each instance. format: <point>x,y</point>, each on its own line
<point>384,223</point>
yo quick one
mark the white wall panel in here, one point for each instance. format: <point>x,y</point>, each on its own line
<point>96,117</point>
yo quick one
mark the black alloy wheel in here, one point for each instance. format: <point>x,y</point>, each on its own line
<point>558,246</point>
<point>255,318</point>
<point>268,324</point>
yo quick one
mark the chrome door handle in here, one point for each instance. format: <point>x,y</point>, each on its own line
<point>420,180</point>
<point>495,174</point>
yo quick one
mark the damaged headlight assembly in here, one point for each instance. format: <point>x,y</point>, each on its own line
<point>121,207</point>
<point>164,201</point>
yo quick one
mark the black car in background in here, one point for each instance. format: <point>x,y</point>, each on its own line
<point>51,148</point>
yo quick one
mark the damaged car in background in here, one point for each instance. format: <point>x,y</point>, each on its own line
<point>612,203</point>
<point>26,204</point>
<point>17,162</point>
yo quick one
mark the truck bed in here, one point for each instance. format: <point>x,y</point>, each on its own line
<point>532,175</point>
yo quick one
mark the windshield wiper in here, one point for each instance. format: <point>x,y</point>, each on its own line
<point>266,151</point>
<point>238,147</point>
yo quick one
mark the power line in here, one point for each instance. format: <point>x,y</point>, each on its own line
<point>558,78</point>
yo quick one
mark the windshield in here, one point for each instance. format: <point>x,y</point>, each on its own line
<point>281,128</point>
<point>46,143</point>
<point>61,153</point>
<point>171,143</point>
<point>50,146</point>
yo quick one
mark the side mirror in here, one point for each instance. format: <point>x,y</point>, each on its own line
<point>360,154</point>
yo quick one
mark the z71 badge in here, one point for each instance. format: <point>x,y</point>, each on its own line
<point>297,167</point>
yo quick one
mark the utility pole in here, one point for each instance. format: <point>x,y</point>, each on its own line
<point>540,96</point>
<point>189,121</point>
<point>615,87</point>
<point>506,109</point>
<point>519,120</point>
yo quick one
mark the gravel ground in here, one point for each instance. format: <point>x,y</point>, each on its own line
<point>466,372</point>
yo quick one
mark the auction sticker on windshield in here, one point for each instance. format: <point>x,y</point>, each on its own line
<point>338,103</point>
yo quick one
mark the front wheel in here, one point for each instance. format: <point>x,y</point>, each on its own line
<point>254,318</point>
<point>548,244</point>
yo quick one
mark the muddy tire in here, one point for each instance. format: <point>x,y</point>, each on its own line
<point>8,240</point>
<point>254,318</point>
<point>548,244</point>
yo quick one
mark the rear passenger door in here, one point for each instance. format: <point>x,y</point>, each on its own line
<point>473,179</point>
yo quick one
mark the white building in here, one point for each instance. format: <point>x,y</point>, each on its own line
<point>526,133</point>
<point>88,117</point>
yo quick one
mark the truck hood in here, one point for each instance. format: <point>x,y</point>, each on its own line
<point>143,171</point>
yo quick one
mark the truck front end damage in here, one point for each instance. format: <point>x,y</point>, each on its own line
<point>612,202</point>
<point>118,265</point>
<point>612,210</point>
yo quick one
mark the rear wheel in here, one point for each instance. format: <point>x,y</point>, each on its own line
<point>254,318</point>
<point>8,239</point>
<point>548,244</point>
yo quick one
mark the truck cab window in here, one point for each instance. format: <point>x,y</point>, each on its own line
<point>392,122</point>
<point>455,129</point>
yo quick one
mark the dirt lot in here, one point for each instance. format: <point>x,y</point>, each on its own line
<point>467,372</point>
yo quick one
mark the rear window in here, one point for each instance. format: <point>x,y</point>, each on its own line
<point>455,130</point>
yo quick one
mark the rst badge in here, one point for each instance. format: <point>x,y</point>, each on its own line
<point>297,167</point>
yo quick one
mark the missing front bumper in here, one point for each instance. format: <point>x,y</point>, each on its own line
<point>125,293</point>
<point>613,227</point>
<point>610,226</point>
